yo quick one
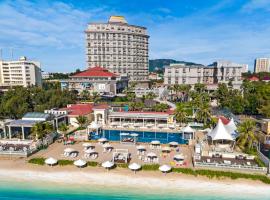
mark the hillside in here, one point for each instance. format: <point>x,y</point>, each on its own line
<point>160,63</point>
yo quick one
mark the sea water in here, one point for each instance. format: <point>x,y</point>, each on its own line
<point>10,190</point>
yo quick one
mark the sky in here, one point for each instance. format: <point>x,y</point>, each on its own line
<point>200,31</point>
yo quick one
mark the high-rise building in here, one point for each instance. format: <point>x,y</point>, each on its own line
<point>20,72</point>
<point>262,65</point>
<point>211,75</point>
<point>119,47</point>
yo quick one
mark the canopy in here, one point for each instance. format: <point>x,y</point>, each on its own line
<point>151,155</point>
<point>134,166</point>
<point>90,151</point>
<point>220,132</point>
<point>107,145</point>
<point>102,140</point>
<point>50,161</point>
<point>88,145</point>
<point>107,164</point>
<point>165,168</point>
<point>173,143</point>
<point>155,142</point>
<point>141,147</point>
<point>179,157</point>
<point>188,129</point>
<point>69,150</point>
<point>231,127</point>
<point>79,163</point>
<point>94,125</point>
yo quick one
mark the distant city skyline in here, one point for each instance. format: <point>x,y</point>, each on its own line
<point>197,31</point>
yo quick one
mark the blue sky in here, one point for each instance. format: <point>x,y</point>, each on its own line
<point>201,31</point>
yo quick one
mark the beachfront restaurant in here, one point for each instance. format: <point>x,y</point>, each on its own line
<point>142,127</point>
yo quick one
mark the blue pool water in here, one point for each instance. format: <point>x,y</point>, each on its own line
<point>51,191</point>
<point>143,136</point>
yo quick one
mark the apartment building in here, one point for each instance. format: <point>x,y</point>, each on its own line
<point>20,72</point>
<point>262,65</point>
<point>211,75</point>
<point>119,47</point>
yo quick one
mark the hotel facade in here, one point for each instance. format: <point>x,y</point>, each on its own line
<point>119,47</point>
<point>20,72</point>
<point>262,65</point>
<point>218,72</point>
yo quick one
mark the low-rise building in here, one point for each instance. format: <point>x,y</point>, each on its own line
<point>211,75</point>
<point>96,79</point>
<point>20,72</point>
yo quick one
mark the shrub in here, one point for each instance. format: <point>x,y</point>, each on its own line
<point>122,165</point>
<point>37,161</point>
<point>184,171</point>
<point>65,162</point>
<point>92,163</point>
<point>153,167</point>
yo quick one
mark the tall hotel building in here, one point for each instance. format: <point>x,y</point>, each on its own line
<point>262,65</point>
<point>119,47</point>
<point>20,72</point>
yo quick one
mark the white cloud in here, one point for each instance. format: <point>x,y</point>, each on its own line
<point>253,5</point>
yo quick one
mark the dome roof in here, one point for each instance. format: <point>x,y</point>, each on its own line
<point>117,19</point>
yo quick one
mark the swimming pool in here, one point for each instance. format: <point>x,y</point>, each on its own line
<point>143,136</point>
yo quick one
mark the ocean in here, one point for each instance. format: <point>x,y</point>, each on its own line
<point>51,191</point>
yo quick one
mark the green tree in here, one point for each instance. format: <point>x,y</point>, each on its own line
<point>180,113</point>
<point>203,113</point>
<point>63,128</point>
<point>150,95</point>
<point>247,137</point>
<point>37,131</point>
<point>95,97</point>
<point>85,95</point>
<point>81,120</point>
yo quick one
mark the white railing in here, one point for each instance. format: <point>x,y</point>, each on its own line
<point>241,167</point>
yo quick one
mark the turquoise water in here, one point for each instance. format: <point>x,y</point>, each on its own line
<point>31,191</point>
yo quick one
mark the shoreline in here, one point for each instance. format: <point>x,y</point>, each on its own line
<point>21,171</point>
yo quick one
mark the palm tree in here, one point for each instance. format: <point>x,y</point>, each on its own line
<point>85,95</point>
<point>203,113</point>
<point>63,128</point>
<point>81,120</point>
<point>150,95</point>
<point>37,131</point>
<point>47,127</point>
<point>247,137</point>
<point>180,114</point>
<point>95,97</point>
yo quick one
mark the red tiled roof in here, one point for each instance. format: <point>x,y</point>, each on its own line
<point>95,72</point>
<point>224,120</point>
<point>253,78</point>
<point>79,109</point>
<point>101,106</point>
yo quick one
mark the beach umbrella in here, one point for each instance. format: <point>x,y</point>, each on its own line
<point>171,126</point>
<point>173,144</point>
<point>102,140</point>
<point>165,168</point>
<point>166,149</point>
<point>151,155</point>
<point>124,134</point>
<point>141,147</point>
<point>107,164</point>
<point>134,167</point>
<point>155,142</point>
<point>134,134</point>
<point>179,157</point>
<point>149,125</point>
<point>125,124</point>
<point>90,151</point>
<point>107,145</point>
<point>69,150</point>
<point>79,163</point>
<point>88,145</point>
<point>50,161</point>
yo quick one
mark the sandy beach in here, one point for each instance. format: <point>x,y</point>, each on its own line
<point>19,170</point>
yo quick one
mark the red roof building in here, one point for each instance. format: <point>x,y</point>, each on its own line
<point>253,78</point>
<point>79,109</point>
<point>95,72</point>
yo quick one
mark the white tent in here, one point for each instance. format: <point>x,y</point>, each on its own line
<point>188,129</point>
<point>231,127</point>
<point>107,164</point>
<point>134,167</point>
<point>165,168</point>
<point>79,163</point>
<point>94,125</point>
<point>50,161</point>
<point>220,132</point>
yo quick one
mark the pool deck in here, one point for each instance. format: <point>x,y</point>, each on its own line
<point>56,151</point>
